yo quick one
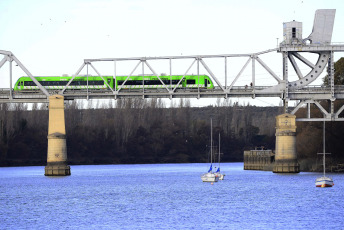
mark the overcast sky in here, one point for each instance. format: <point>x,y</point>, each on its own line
<point>53,37</point>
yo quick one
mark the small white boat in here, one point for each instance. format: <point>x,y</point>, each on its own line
<point>324,181</point>
<point>210,176</point>
<point>220,175</point>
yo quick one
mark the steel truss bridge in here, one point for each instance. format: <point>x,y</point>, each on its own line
<point>299,90</point>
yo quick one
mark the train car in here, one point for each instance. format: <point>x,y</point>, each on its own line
<point>95,82</point>
<point>153,82</point>
<point>56,83</point>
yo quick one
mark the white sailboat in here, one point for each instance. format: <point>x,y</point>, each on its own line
<point>210,176</point>
<point>218,171</point>
<point>324,181</point>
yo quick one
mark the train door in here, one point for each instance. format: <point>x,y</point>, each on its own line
<point>205,83</point>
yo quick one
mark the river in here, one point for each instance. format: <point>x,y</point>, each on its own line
<point>167,196</point>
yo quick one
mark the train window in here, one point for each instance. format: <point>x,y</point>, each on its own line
<point>29,83</point>
<point>95,83</point>
<point>149,82</point>
<point>174,82</point>
<point>134,82</point>
<point>75,83</point>
<point>191,82</point>
<point>152,82</point>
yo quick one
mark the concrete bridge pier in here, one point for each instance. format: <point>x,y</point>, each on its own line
<point>57,148</point>
<point>286,155</point>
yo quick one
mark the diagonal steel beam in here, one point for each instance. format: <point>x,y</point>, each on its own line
<point>30,75</point>
<point>268,69</point>
<point>297,107</point>
<point>242,70</point>
<point>3,61</point>
<point>128,77</point>
<point>70,81</point>
<point>184,75</point>
<point>326,114</point>
<point>296,67</point>
<point>211,74</point>
<point>339,111</point>
<point>101,76</point>
<point>150,67</point>
<point>304,60</point>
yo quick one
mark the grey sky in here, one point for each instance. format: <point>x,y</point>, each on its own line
<point>53,37</point>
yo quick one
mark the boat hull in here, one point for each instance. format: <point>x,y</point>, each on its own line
<point>324,182</point>
<point>210,177</point>
<point>220,175</point>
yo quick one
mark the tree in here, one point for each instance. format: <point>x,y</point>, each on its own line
<point>338,73</point>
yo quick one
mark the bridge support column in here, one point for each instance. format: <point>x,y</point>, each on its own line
<point>57,148</point>
<point>286,156</point>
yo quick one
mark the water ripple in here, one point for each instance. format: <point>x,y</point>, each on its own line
<point>166,196</point>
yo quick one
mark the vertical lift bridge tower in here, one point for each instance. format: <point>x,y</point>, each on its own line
<point>286,153</point>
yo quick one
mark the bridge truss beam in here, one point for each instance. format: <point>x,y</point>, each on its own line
<point>284,89</point>
<point>9,56</point>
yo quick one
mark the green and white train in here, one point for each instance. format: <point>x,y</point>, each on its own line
<point>96,82</point>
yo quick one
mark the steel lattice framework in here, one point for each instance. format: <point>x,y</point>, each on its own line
<point>299,89</point>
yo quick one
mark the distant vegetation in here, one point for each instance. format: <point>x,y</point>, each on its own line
<point>144,131</point>
<point>338,73</point>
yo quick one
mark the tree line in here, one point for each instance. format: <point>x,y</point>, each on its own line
<point>131,131</point>
<point>134,131</point>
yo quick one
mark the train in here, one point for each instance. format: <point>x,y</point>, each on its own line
<point>96,82</point>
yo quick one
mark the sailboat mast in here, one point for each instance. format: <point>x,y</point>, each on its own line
<point>211,141</point>
<point>219,149</point>
<point>324,146</point>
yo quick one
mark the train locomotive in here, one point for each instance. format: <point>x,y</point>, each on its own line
<point>24,84</point>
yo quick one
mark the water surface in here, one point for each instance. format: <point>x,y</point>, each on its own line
<point>167,196</point>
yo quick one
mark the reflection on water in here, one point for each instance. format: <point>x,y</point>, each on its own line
<point>167,196</point>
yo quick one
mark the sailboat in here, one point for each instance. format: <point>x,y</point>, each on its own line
<point>218,171</point>
<point>324,181</point>
<point>210,176</point>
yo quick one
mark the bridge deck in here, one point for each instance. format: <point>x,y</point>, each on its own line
<point>315,92</point>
